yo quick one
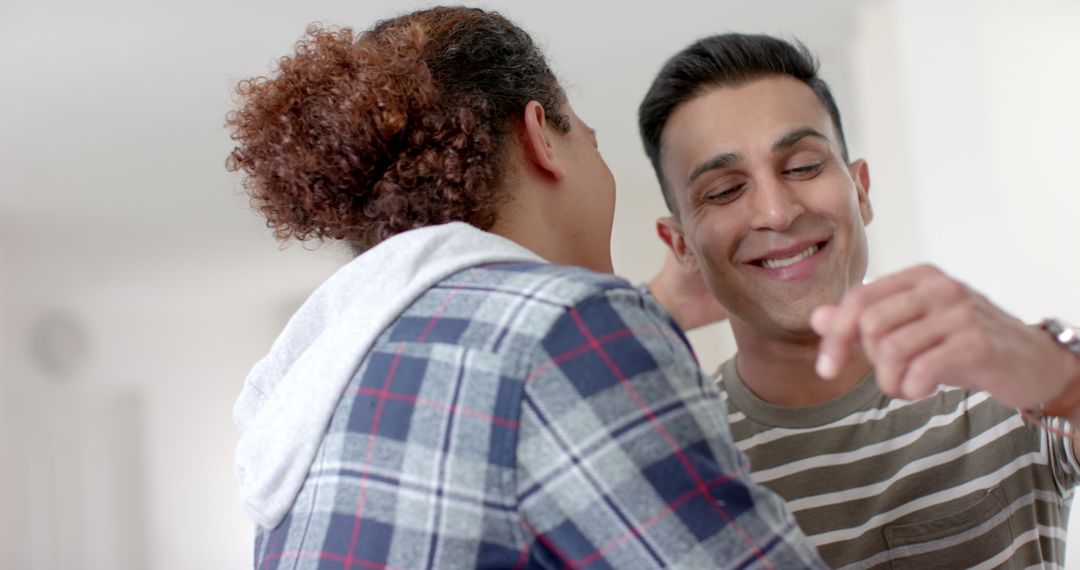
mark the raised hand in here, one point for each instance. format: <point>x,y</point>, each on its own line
<point>922,328</point>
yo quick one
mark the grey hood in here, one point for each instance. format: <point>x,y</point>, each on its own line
<point>289,396</point>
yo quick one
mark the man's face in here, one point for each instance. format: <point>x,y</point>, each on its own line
<point>768,210</point>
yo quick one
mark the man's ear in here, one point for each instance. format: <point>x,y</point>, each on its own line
<point>860,173</point>
<point>670,231</point>
<point>539,145</point>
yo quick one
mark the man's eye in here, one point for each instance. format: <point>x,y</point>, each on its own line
<point>725,195</point>
<point>805,171</point>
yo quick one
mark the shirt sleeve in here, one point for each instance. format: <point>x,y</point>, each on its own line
<point>624,455</point>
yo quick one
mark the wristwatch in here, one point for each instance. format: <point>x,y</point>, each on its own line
<point>1065,334</point>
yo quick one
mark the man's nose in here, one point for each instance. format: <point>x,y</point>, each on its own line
<point>775,204</point>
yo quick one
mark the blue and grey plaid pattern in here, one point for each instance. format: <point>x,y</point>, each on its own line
<point>532,416</point>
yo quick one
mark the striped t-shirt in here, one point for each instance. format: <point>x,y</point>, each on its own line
<point>956,480</point>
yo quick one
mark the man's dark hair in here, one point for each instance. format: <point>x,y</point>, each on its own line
<point>725,60</point>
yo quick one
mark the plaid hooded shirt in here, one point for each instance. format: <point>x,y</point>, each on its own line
<point>528,415</point>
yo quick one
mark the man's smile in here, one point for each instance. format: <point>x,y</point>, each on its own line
<point>792,262</point>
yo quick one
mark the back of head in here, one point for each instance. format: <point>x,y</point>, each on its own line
<point>725,60</point>
<point>359,137</point>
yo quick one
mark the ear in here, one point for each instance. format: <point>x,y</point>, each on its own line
<point>860,173</point>
<point>539,146</point>
<point>670,231</point>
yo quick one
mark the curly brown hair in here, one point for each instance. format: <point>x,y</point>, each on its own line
<point>361,137</point>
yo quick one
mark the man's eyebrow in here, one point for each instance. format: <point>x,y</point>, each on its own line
<point>787,141</point>
<point>729,159</point>
<point>722,160</point>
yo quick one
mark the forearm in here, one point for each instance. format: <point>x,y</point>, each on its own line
<point>691,308</point>
<point>656,288</point>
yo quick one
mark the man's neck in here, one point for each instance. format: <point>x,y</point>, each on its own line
<point>782,372</point>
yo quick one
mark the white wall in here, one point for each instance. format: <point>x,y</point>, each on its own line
<point>73,462</point>
<point>7,514</point>
<point>1031,85</point>
<point>969,119</point>
<point>186,342</point>
<point>126,462</point>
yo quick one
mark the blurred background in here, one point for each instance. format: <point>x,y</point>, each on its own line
<point>136,288</point>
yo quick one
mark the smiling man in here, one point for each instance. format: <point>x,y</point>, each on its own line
<point>748,145</point>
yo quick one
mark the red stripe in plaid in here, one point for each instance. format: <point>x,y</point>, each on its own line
<point>643,331</point>
<point>270,543</point>
<point>649,522</point>
<point>544,540</point>
<point>597,346</point>
<point>442,406</point>
<point>477,272</point>
<point>524,559</point>
<point>370,452</point>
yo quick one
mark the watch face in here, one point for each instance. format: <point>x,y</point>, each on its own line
<point>1069,336</point>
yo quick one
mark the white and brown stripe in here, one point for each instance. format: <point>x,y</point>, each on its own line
<point>953,481</point>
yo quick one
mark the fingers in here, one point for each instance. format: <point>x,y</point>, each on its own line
<point>869,312</point>
<point>820,321</point>
<point>921,329</point>
<point>886,316</point>
<point>953,362</point>
<point>907,359</point>
<point>843,332</point>
<point>821,318</point>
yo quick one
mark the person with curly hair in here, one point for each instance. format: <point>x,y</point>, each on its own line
<point>474,389</point>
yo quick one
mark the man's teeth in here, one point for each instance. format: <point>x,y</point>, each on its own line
<point>774,263</point>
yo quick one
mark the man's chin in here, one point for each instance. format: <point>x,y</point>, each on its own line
<point>791,328</point>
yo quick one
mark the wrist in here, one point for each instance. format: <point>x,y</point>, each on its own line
<point>1073,414</point>
<point>1067,403</point>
